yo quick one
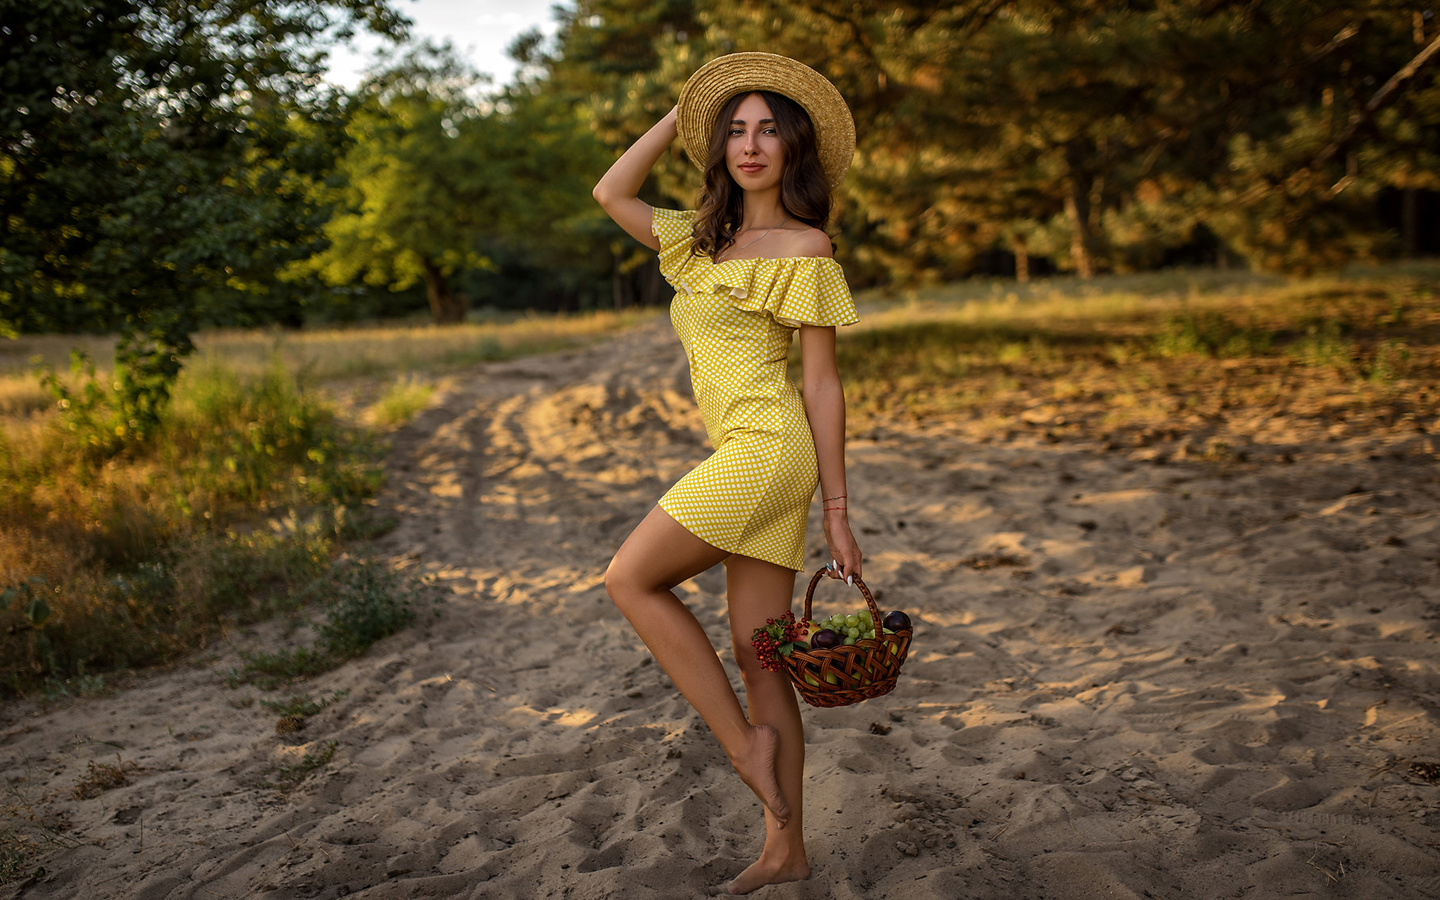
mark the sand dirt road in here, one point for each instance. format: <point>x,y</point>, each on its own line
<point>1129,680</point>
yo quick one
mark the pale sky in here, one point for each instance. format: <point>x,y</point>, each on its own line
<point>481,30</point>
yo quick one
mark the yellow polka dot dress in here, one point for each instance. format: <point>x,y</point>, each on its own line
<point>736,320</point>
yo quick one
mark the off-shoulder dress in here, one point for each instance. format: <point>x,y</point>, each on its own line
<point>737,320</point>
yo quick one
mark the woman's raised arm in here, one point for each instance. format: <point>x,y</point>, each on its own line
<point>618,191</point>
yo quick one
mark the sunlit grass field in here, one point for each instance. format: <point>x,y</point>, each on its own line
<point>387,352</point>
<point>1221,357</point>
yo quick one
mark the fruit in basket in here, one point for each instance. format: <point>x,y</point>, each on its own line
<point>776,639</point>
<point>896,621</point>
<point>824,639</point>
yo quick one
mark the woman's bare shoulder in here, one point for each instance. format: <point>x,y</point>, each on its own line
<point>807,241</point>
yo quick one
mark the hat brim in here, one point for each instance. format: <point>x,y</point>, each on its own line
<point>714,83</point>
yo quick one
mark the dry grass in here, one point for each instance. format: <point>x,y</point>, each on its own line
<point>329,354</point>
<point>233,510</point>
<point>101,777</point>
<point>413,354</point>
<point>387,351</point>
<point>1205,368</point>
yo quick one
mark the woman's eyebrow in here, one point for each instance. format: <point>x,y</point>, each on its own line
<point>742,121</point>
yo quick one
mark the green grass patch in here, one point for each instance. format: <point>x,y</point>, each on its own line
<point>269,669</point>
<point>402,401</point>
<point>364,602</point>
<point>1209,333</point>
<point>371,602</point>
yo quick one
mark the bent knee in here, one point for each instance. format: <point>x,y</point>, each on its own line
<point>751,672</point>
<point>625,583</point>
<point>617,580</point>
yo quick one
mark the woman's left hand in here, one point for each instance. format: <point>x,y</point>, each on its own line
<point>844,552</point>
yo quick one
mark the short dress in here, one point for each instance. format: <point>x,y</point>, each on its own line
<point>736,320</point>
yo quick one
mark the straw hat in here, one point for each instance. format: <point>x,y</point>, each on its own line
<point>708,90</point>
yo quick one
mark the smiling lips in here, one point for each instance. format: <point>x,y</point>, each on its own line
<point>751,168</point>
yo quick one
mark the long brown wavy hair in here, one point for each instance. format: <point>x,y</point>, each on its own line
<point>804,192</point>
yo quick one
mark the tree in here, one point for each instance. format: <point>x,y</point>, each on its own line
<point>435,173</point>
<point>1348,109</point>
<point>1101,135</point>
<point>144,146</point>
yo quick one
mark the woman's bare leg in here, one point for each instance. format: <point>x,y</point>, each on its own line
<point>757,591</point>
<point>658,555</point>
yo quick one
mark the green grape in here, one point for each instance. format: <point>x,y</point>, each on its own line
<point>865,616</point>
<point>852,621</point>
<point>852,632</point>
<point>849,642</point>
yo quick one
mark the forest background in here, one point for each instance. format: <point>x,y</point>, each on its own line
<point>166,166</point>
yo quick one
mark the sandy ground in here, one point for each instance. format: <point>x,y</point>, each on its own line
<point>1130,679</point>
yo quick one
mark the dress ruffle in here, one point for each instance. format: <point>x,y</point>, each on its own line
<point>674,229</point>
<point>795,290</point>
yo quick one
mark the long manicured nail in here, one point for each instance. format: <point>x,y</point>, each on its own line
<point>849,579</point>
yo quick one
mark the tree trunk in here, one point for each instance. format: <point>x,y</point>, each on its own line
<point>620,288</point>
<point>1410,222</point>
<point>1022,259</point>
<point>446,306</point>
<point>654,289</point>
<point>1077,210</point>
<point>641,285</point>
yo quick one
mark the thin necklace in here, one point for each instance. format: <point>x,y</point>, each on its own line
<point>762,236</point>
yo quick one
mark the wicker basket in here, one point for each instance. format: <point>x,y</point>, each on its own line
<point>848,673</point>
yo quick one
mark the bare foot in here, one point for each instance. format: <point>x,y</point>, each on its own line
<point>757,769</point>
<point>764,871</point>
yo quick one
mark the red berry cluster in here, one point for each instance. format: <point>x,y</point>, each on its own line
<point>766,651</point>
<point>775,639</point>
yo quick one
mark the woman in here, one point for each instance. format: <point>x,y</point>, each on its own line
<point>750,267</point>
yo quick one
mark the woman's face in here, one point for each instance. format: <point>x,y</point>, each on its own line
<point>754,153</point>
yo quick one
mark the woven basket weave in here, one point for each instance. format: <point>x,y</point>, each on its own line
<point>848,673</point>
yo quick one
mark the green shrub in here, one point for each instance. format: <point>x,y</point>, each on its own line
<point>228,511</point>
<point>1209,333</point>
<point>1324,344</point>
<point>372,602</point>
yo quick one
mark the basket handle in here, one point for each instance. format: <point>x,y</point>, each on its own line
<point>865,591</point>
